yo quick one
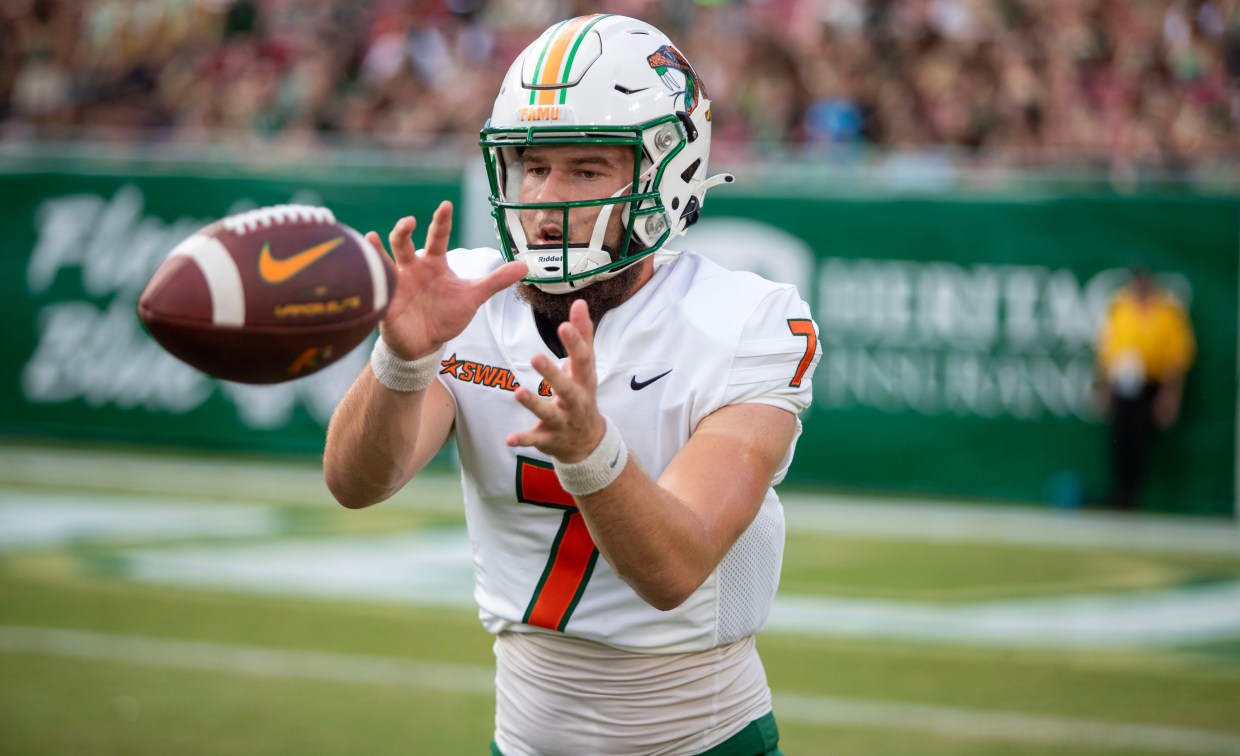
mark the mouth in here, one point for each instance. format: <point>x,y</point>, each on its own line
<point>549,234</point>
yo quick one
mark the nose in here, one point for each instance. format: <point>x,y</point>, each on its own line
<point>554,187</point>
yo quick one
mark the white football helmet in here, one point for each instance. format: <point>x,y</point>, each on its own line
<point>607,80</point>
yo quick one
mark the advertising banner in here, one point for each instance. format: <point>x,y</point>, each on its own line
<point>77,361</point>
<point>958,337</point>
<point>957,333</point>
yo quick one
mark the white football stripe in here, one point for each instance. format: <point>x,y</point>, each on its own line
<point>223,278</point>
<point>377,277</point>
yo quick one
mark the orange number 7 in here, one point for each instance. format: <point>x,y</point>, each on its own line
<point>803,327</point>
<point>573,553</point>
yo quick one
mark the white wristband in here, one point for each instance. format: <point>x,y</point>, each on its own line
<point>403,375</point>
<point>599,468</point>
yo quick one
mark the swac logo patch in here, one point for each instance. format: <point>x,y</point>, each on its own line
<point>667,59</point>
<point>475,372</point>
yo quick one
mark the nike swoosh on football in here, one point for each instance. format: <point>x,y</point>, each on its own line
<point>275,271</point>
<point>637,385</point>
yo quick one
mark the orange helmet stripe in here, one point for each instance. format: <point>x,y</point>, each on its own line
<point>555,53</point>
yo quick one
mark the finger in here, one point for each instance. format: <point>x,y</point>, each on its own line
<point>557,379</point>
<point>401,239</point>
<point>499,279</point>
<point>439,230</point>
<point>376,242</point>
<point>577,335</point>
<point>578,327</point>
<point>548,369</point>
<point>524,438</point>
<point>540,408</point>
<point>580,355</point>
<point>579,315</point>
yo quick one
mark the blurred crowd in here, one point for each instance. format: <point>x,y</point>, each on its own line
<point>1123,85</point>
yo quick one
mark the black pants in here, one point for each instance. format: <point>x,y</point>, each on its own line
<point>1132,426</point>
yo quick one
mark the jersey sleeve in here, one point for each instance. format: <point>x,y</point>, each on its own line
<point>776,355</point>
<point>774,361</point>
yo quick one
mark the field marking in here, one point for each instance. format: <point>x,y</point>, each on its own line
<point>976,724</point>
<point>1108,622</point>
<point>903,519</point>
<point>300,482</point>
<point>433,567</point>
<point>236,479</point>
<point>819,711</point>
<point>46,520</point>
<point>249,661</point>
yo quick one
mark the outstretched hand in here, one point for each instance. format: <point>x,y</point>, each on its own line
<point>569,424</point>
<point>432,304</point>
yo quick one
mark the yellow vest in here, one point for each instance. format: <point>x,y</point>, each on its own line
<point>1157,332</point>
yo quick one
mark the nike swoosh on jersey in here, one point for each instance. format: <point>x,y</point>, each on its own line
<point>637,385</point>
<point>275,271</point>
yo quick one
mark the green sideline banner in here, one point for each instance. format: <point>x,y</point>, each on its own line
<point>958,337</point>
<point>957,333</point>
<point>77,362</point>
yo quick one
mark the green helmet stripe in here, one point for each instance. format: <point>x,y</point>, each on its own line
<point>568,66</point>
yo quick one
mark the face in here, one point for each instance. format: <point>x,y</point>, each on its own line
<point>569,173</point>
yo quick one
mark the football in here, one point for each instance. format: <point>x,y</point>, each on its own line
<point>267,296</point>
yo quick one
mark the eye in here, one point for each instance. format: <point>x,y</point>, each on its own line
<point>588,175</point>
<point>537,170</point>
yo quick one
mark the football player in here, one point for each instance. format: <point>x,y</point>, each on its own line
<point>621,410</point>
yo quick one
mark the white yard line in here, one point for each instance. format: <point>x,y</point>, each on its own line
<point>50,520</point>
<point>434,568</point>
<point>261,479</point>
<point>1104,622</point>
<point>248,661</point>
<point>904,519</point>
<point>821,711</point>
<point>976,724</point>
<point>300,482</point>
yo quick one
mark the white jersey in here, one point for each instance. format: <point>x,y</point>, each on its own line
<point>693,339</point>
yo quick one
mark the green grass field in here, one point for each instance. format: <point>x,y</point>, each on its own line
<point>98,658</point>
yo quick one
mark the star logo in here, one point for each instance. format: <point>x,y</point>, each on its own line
<point>451,366</point>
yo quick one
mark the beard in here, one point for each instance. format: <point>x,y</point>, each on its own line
<point>600,296</point>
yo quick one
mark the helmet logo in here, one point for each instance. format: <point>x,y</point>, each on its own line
<point>667,59</point>
<point>541,113</point>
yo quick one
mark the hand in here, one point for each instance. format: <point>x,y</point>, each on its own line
<point>569,424</point>
<point>1166,408</point>
<point>432,304</point>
